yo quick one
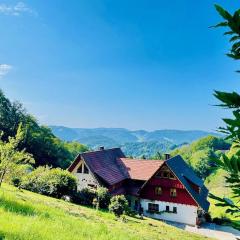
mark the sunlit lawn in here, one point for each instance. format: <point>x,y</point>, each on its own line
<point>26,215</point>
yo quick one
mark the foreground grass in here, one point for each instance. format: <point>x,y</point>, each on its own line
<point>217,186</point>
<point>26,215</point>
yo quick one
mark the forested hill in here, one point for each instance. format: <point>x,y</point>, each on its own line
<point>122,135</point>
<point>39,141</point>
<point>200,153</point>
<point>134,143</point>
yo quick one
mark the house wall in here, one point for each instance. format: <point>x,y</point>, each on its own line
<point>133,202</point>
<point>84,179</point>
<point>183,197</point>
<point>185,213</point>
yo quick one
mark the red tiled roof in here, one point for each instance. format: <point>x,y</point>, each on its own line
<point>140,169</point>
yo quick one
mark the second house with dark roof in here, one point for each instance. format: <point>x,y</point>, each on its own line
<point>162,189</point>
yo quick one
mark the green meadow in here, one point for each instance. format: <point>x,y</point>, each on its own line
<point>25,215</point>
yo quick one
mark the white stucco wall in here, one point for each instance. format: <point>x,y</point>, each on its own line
<point>84,179</point>
<point>185,213</point>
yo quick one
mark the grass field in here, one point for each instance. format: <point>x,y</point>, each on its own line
<point>26,215</point>
<point>217,185</point>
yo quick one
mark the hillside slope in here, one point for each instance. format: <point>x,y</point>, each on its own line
<point>26,215</point>
<point>199,153</point>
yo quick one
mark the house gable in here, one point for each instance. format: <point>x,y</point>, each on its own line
<point>192,183</point>
<point>84,175</point>
<point>165,186</point>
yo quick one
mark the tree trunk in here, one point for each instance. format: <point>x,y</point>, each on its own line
<point>1,177</point>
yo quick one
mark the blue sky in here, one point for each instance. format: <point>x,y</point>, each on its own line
<point>137,64</point>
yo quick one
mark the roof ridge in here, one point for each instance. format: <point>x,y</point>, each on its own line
<point>94,151</point>
<point>141,159</point>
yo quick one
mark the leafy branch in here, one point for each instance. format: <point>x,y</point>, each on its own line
<point>233,23</point>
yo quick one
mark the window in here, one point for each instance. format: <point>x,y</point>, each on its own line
<point>167,209</point>
<point>152,207</point>
<point>171,176</point>
<point>85,169</point>
<point>174,209</point>
<point>173,192</point>
<point>158,190</point>
<point>165,173</point>
<point>79,170</point>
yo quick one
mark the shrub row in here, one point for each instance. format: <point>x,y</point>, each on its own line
<point>60,183</point>
<point>100,198</point>
<point>53,182</point>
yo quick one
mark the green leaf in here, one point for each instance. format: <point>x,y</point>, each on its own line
<point>229,33</point>
<point>234,38</point>
<point>223,12</point>
<point>222,24</point>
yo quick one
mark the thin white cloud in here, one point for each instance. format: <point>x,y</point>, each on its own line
<point>17,9</point>
<point>4,69</point>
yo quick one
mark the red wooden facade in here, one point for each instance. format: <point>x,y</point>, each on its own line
<point>166,184</point>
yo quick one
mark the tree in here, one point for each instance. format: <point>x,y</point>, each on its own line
<point>11,115</point>
<point>158,156</point>
<point>118,205</point>
<point>231,101</point>
<point>10,156</point>
<point>39,140</point>
<point>103,197</point>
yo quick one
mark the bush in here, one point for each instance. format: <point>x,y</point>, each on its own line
<point>16,181</point>
<point>103,197</point>
<point>208,217</point>
<point>85,196</point>
<point>92,197</point>
<point>118,205</point>
<point>51,182</point>
<point>218,221</point>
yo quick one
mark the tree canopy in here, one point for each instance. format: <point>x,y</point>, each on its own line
<point>39,140</point>
<point>199,154</point>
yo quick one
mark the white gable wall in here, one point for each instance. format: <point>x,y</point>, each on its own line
<point>185,213</point>
<point>84,179</point>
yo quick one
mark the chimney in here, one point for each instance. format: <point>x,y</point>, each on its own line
<point>101,148</point>
<point>167,156</point>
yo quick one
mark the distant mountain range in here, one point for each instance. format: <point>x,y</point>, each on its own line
<point>133,143</point>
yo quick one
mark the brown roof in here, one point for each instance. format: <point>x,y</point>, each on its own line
<point>112,166</point>
<point>104,164</point>
<point>140,169</point>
